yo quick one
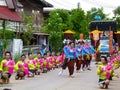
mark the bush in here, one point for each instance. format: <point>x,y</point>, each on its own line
<point>17,57</point>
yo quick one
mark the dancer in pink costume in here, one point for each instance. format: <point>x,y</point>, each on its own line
<point>105,71</point>
<point>31,65</point>
<point>59,59</point>
<point>21,68</point>
<point>7,65</point>
<point>54,60</point>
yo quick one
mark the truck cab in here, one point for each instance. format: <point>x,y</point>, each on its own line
<point>104,46</point>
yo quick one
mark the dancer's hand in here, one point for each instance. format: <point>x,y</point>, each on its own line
<point>68,60</point>
<point>82,58</point>
<point>78,58</point>
<point>117,76</point>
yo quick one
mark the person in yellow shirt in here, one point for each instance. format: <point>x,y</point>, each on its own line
<point>21,68</point>
<point>31,65</point>
<point>7,66</point>
<point>104,74</point>
<point>37,60</point>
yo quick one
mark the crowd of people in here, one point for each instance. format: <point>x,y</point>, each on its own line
<point>77,54</point>
<point>74,56</point>
<point>28,67</point>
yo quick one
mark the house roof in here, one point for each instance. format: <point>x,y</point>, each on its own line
<point>36,3</point>
<point>45,3</point>
<point>11,15</point>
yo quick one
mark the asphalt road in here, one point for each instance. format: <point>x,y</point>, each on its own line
<point>86,80</point>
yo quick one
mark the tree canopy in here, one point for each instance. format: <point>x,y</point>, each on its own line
<point>77,20</point>
<point>117,16</point>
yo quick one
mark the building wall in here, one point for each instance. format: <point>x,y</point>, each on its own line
<point>2,2</point>
<point>33,10</point>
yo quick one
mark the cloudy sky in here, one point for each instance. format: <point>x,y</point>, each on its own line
<point>108,5</point>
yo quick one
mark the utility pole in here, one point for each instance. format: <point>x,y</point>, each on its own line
<point>78,5</point>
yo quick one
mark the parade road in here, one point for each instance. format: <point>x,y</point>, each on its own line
<point>86,80</point>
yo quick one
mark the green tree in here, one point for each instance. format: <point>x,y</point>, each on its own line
<point>27,29</point>
<point>8,34</point>
<point>117,16</point>
<point>57,22</point>
<point>78,20</point>
<point>90,16</point>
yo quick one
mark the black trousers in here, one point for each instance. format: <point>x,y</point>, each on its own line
<point>65,63</point>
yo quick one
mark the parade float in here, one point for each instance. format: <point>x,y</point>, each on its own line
<point>103,37</point>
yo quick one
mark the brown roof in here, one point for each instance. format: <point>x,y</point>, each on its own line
<point>45,3</point>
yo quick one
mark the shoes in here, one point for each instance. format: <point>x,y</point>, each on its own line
<point>88,69</point>
<point>72,76</point>
<point>60,73</point>
<point>81,70</point>
<point>78,71</point>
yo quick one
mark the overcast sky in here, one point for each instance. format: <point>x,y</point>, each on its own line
<point>108,5</point>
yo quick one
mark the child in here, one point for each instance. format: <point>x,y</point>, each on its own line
<point>7,65</point>
<point>104,73</point>
<point>21,68</point>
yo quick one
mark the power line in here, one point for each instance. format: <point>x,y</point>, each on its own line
<point>62,4</point>
<point>98,3</point>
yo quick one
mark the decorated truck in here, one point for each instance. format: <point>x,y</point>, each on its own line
<point>104,48</point>
<point>103,37</point>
